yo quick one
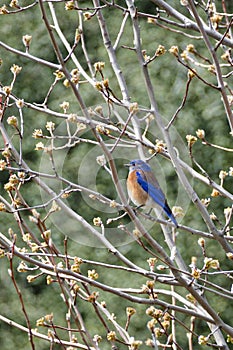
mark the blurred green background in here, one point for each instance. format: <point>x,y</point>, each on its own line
<point>203,110</point>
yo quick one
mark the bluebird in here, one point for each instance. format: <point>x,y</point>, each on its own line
<point>144,189</point>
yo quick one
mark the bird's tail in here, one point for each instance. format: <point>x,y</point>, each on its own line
<point>169,213</point>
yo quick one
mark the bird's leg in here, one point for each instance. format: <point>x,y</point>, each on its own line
<point>137,207</point>
<point>149,211</point>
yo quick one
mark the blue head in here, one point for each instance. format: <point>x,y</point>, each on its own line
<point>138,164</point>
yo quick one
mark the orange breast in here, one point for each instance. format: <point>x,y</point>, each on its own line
<point>136,193</point>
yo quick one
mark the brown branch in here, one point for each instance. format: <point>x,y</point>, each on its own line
<point>11,256</point>
<point>182,104</point>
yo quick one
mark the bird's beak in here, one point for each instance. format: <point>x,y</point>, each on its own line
<point>127,165</point>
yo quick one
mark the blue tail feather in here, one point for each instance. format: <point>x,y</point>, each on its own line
<point>169,214</point>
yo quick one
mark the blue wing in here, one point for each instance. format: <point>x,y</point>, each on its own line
<point>152,189</point>
<point>150,185</point>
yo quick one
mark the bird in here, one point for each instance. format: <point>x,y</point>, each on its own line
<point>144,190</point>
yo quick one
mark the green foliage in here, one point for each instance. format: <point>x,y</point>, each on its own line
<point>203,110</point>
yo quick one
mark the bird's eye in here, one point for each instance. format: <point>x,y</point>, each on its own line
<point>133,163</point>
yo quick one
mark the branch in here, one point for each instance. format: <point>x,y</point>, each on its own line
<point>203,31</point>
<point>29,56</point>
<point>189,24</point>
<point>42,336</point>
